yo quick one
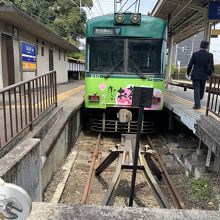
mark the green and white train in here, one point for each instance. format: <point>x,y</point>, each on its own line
<point>124,51</point>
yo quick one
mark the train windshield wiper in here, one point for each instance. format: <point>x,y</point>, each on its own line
<point>114,67</point>
<point>139,73</point>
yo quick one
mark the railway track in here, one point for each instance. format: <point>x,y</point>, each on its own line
<point>146,170</point>
<point>154,187</point>
<point>95,157</point>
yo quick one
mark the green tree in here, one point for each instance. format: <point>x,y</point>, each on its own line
<point>62,16</point>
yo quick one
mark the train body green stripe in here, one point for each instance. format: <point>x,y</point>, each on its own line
<point>150,77</point>
<point>117,92</point>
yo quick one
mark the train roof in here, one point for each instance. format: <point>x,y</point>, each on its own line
<point>150,27</point>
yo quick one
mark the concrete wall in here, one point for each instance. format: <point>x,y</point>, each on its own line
<point>45,211</point>
<point>56,152</point>
<point>43,61</point>
<point>60,65</point>
<point>22,166</point>
<point>32,163</point>
<point>17,61</point>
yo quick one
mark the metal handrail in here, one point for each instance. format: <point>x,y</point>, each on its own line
<point>23,103</point>
<point>23,82</point>
<point>213,102</point>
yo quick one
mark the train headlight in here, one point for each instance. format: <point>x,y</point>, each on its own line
<point>135,18</point>
<point>119,18</point>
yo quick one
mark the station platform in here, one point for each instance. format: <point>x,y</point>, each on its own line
<point>45,211</point>
<point>206,128</point>
<point>180,103</point>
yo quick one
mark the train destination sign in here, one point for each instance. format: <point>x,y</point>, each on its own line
<point>214,10</point>
<point>28,56</point>
<point>107,31</point>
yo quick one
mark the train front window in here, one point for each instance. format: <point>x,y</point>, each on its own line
<point>106,55</point>
<point>144,56</point>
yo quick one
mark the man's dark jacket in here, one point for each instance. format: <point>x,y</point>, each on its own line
<point>202,63</point>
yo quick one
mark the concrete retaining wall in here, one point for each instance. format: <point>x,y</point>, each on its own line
<point>33,163</point>
<point>58,142</point>
<point>21,166</point>
<point>45,211</point>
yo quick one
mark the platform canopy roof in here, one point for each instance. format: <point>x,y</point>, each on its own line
<point>185,17</point>
<point>17,18</point>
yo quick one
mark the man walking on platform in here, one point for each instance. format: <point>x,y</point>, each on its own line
<point>202,66</point>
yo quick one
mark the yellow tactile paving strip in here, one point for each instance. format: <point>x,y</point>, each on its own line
<point>60,97</point>
<point>69,93</point>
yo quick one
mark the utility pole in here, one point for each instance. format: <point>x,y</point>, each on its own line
<point>176,52</point>
<point>115,6</point>
<point>192,48</point>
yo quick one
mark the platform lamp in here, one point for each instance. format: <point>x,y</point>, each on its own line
<point>142,98</point>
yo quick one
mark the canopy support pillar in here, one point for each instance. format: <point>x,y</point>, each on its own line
<point>169,64</point>
<point>207,31</point>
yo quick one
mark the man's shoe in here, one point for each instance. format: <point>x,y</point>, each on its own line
<point>194,107</point>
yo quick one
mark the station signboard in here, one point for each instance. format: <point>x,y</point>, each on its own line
<point>215,33</point>
<point>28,56</point>
<point>214,10</point>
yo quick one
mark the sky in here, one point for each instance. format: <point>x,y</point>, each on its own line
<point>107,6</point>
<point>101,7</point>
<point>215,48</point>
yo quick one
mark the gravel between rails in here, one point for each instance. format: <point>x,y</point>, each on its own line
<point>144,198</point>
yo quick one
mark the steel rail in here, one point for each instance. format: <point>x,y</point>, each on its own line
<point>95,156</point>
<point>177,201</point>
<point>158,194</point>
<point>115,181</point>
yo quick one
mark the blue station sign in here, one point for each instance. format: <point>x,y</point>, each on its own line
<point>214,10</point>
<point>28,56</point>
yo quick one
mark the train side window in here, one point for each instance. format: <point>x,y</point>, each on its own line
<point>42,51</point>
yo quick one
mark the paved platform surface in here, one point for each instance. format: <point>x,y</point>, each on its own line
<point>187,95</point>
<point>47,211</point>
<point>181,103</point>
<point>206,128</point>
<point>61,88</point>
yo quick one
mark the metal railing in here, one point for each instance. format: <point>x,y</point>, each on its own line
<point>213,102</point>
<point>22,103</point>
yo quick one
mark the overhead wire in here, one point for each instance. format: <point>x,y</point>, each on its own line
<point>47,21</point>
<point>131,5</point>
<point>94,6</point>
<point>139,3</point>
<point>89,12</point>
<point>51,24</point>
<point>123,6</point>
<point>100,7</point>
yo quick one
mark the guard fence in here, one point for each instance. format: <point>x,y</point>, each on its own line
<point>23,103</point>
<point>213,102</point>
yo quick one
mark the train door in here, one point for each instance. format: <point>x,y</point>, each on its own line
<point>51,64</point>
<point>8,71</point>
